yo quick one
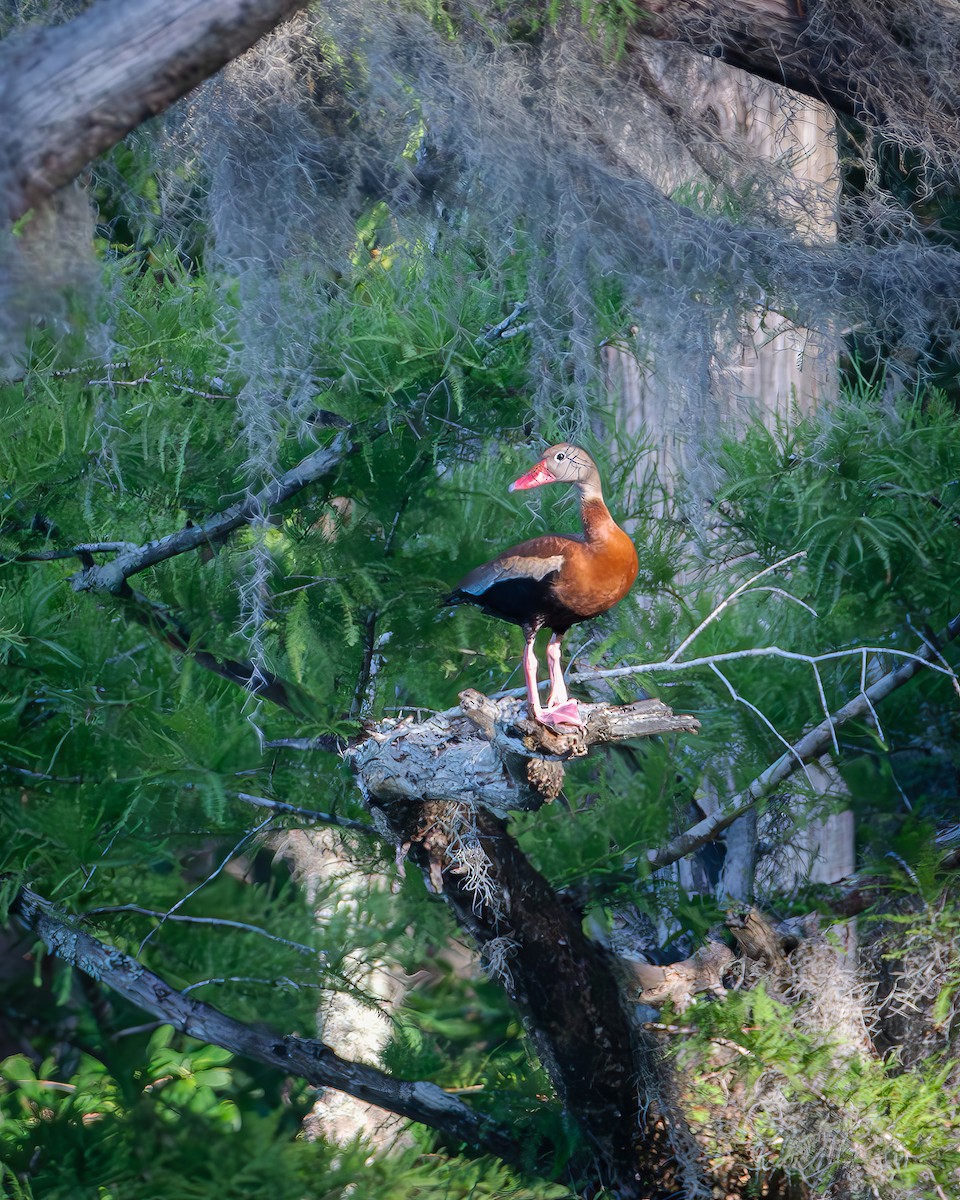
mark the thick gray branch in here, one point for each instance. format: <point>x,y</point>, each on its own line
<point>313,1060</point>
<point>490,754</point>
<point>72,91</point>
<point>853,57</point>
<point>811,746</point>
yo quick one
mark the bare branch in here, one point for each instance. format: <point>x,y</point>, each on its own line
<point>188,920</point>
<point>280,981</point>
<point>812,660</point>
<point>829,52</point>
<point>309,814</point>
<point>161,621</point>
<point>316,1062</point>
<point>678,982</point>
<point>112,577</point>
<point>251,833</point>
<point>735,695</point>
<point>81,550</point>
<point>735,594</point>
<point>72,91</point>
<point>810,746</point>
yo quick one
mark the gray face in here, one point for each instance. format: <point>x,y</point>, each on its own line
<point>568,463</point>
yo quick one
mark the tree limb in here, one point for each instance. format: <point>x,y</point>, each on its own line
<point>71,91</point>
<point>259,681</point>
<point>111,578</point>
<point>813,744</point>
<point>850,56</point>
<point>316,1062</point>
<point>490,755</point>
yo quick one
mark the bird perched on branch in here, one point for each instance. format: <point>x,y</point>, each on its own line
<point>558,579</point>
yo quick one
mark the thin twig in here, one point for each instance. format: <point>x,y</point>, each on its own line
<point>863,692</point>
<point>203,882</point>
<point>755,652</point>
<point>309,814</point>
<point>281,981</point>
<point>323,741</point>
<point>810,746</point>
<point>825,707</point>
<point>934,649</point>
<point>753,708</point>
<point>728,600</point>
<point>107,909</point>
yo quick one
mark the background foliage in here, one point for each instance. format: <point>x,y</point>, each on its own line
<point>244,292</point>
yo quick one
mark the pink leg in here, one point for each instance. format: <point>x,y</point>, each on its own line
<point>530,676</point>
<point>560,710</point>
<point>558,689</point>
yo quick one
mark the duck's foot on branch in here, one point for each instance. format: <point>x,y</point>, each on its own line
<point>567,714</point>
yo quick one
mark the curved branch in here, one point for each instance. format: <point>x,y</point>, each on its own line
<point>313,1060</point>
<point>847,56</point>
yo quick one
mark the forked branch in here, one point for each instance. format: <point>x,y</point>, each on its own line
<point>811,746</point>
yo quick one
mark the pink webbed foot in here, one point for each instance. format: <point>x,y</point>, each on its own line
<point>567,713</point>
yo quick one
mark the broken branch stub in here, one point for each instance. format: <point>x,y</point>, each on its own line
<point>679,982</point>
<point>491,755</point>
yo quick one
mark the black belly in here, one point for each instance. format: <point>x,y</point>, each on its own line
<point>525,602</point>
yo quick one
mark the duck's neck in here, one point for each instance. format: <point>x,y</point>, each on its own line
<point>597,522</point>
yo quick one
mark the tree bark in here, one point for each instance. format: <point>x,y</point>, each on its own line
<point>490,754</point>
<point>849,56</point>
<point>567,986</point>
<point>71,91</point>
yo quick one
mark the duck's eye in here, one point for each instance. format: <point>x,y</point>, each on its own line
<point>561,456</point>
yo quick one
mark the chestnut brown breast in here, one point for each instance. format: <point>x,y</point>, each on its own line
<point>555,580</point>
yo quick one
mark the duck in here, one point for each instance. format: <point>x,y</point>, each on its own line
<point>556,580</point>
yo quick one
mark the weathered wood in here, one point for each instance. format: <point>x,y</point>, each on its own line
<point>443,787</point>
<point>758,938</point>
<point>490,754</point>
<point>679,982</point>
<point>71,91</point>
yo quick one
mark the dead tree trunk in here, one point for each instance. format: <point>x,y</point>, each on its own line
<point>442,787</point>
